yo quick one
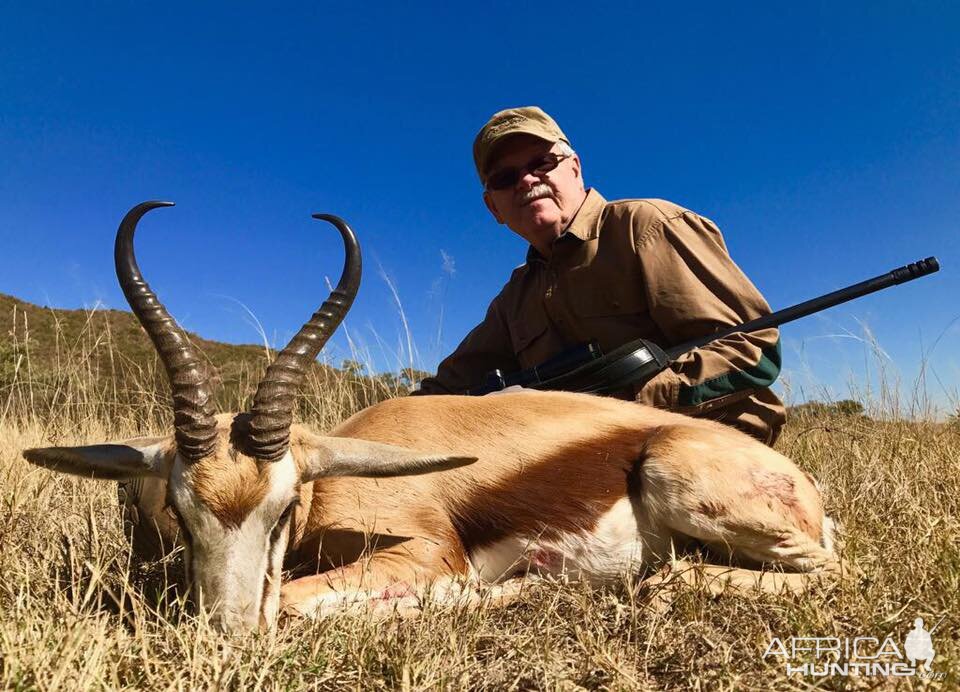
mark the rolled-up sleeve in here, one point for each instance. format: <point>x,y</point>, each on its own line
<point>693,289</point>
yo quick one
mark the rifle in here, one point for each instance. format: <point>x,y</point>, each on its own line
<point>585,368</point>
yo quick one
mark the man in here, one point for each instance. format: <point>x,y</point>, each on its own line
<point>612,272</point>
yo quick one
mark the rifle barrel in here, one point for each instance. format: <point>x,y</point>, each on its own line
<point>908,272</point>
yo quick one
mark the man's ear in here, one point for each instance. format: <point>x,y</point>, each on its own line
<point>488,200</point>
<point>344,456</point>
<point>117,461</point>
<point>577,166</point>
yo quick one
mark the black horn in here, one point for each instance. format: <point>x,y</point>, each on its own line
<point>268,433</point>
<point>192,398</point>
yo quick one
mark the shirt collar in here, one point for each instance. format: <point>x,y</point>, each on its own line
<point>585,224</point>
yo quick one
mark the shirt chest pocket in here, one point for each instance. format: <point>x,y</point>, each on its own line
<point>609,313</point>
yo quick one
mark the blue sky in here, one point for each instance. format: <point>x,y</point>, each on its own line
<point>824,141</point>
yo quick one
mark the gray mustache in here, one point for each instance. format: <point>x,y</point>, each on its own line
<point>536,192</point>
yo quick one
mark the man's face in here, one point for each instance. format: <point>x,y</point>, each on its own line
<point>537,207</point>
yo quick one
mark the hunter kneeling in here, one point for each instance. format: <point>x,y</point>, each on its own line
<point>612,272</point>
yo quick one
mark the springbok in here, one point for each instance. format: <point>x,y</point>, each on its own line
<point>414,492</point>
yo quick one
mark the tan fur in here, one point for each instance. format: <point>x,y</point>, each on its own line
<point>524,451</point>
<point>228,482</point>
<point>552,463</point>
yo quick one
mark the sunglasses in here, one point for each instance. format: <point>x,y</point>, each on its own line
<point>506,178</point>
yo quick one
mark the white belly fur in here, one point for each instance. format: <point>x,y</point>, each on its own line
<point>612,548</point>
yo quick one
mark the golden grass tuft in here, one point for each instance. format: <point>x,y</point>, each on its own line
<point>77,612</point>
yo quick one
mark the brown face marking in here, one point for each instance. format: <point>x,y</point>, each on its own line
<point>230,484</point>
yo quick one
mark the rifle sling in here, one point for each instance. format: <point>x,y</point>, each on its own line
<point>632,363</point>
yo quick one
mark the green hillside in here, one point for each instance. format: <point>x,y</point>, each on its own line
<point>51,357</point>
<point>49,331</point>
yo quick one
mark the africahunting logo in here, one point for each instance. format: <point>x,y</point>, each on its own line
<point>859,656</point>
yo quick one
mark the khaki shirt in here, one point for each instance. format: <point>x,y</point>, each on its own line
<point>625,270</point>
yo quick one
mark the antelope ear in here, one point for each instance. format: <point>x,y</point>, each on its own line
<point>344,456</point>
<point>119,461</point>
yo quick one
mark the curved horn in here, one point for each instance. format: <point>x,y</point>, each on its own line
<point>192,400</point>
<point>269,427</point>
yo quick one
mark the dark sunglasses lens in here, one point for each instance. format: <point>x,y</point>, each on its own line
<point>501,180</point>
<point>508,177</point>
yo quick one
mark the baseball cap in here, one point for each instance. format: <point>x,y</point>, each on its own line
<point>527,120</point>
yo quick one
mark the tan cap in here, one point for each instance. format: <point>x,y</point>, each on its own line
<point>528,120</point>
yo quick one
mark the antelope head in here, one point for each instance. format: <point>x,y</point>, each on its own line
<point>234,479</point>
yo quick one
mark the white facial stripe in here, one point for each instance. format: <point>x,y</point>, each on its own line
<point>230,563</point>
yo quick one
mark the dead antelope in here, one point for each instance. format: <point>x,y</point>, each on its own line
<point>418,491</point>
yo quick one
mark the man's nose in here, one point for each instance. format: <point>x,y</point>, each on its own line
<point>527,180</point>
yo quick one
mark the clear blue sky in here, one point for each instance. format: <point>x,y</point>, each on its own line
<point>824,141</point>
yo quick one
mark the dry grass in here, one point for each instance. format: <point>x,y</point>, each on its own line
<point>77,612</point>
